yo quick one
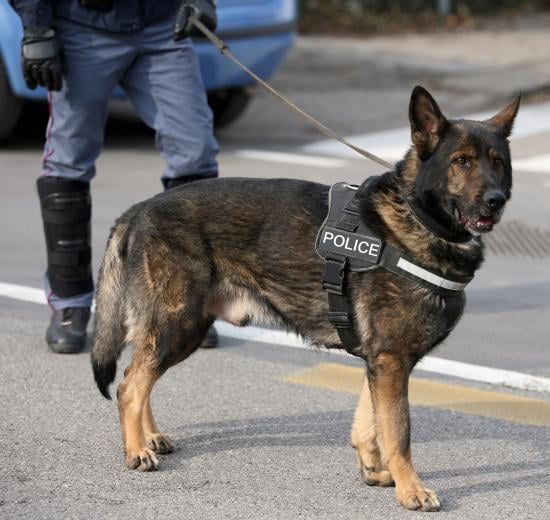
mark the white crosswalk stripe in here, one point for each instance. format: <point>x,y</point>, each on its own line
<point>535,164</point>
<point>392,144</point>
<point>293,158</point>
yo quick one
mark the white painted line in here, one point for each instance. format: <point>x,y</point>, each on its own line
<point>392,144</point>
<point>26,294</point>
<point>261,335</point>
<point>494,376</point>
<point>535,164</point>
<point>23,293</point>
<point>292,158</point>
<point>389,144</point>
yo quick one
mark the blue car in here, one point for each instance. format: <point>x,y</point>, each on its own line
<point>260,33</point>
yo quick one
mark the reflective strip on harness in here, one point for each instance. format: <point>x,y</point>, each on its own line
<point>430,277</point>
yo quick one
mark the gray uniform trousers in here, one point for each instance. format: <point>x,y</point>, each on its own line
<point>162,80</point>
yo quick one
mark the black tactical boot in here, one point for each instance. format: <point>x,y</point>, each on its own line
<point>67,331</point>
<point>211,339</point>
<point>181,181</point>
<point>66,210</point>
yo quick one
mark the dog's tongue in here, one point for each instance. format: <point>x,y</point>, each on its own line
<point>486,221</point>
<point>483,222</point>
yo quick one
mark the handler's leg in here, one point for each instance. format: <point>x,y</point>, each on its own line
<point>388,380</point>
<point>365,442</point>
<point>93,63</point>
<point>165,86</point>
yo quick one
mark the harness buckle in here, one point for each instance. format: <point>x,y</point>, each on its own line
<point>340,320</point>
<point>333,276</point>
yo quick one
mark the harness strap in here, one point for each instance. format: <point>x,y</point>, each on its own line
<point>334,282</point>
<point>454,305</point>
<point>396,262</point>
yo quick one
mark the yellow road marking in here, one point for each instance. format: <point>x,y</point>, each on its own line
<point>430,393</point>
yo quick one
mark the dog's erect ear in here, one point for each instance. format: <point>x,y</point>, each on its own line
<point>427,122</point>
<point>504,120</point>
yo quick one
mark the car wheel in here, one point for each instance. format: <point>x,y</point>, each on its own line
<point>10,105</point>
<point>228,105</point>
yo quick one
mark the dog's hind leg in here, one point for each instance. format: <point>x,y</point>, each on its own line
<point>166,321</point>
<point>155,350</point>
<point>178,340</point>
<point>388,382</point>
<point>364,440</point>
<point>155,440</point>
<point>133,394</point>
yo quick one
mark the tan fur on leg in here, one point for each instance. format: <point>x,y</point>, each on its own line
<point>389,386</point>
<point>132,396</point>
<point>363,439</point>
<point>155,440</point>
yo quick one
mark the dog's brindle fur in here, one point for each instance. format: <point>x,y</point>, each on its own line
<point>243,250</point>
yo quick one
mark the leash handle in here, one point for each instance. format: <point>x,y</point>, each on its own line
<point>226,51</point>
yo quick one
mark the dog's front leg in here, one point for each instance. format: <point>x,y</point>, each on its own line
<point>364,440</point>
<point>388,382</point>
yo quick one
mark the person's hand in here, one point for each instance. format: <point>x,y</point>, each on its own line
<point>40,59</point>
<point>202,10</point>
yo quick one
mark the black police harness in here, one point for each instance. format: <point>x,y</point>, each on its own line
<point>346,244</point>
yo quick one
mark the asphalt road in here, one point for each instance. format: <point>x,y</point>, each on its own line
<point>255,439</point>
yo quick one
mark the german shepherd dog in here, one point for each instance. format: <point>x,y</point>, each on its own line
<point>243,250</point>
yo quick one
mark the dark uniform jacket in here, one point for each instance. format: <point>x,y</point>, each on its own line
<point>123,16</point>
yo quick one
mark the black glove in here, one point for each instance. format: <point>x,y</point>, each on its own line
<point>203,10</point>
<point>40,59</point>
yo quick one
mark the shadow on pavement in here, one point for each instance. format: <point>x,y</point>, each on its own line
<point>453,495</point>
<point>319,429</point>
<point>332,429</point>
<point>486,469</point>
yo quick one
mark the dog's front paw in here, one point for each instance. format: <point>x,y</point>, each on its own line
<point>418,498</point>
<point>159,443</point>
<point>376,478</point>
<point>143,460</point>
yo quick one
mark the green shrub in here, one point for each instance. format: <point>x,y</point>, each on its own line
<point>367,16</point>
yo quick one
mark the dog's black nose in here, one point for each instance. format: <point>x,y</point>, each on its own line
<point>495,199</point>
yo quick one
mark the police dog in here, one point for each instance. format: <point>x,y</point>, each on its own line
<point>242,250</point>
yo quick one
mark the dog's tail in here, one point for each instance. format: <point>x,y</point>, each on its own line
<point>110,326</point>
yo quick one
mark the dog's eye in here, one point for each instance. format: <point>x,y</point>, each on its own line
<point>498,161</point>
<point>462,161</point>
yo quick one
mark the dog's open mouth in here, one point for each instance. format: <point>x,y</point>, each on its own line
<point>479,223</point>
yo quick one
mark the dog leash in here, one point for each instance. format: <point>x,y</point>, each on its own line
<point>226,51</point>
